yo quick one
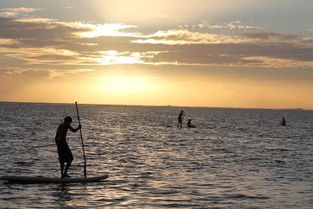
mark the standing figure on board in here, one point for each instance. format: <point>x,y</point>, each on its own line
<point>65,154</point>
<point>283,122</point>
<point>180,119</point>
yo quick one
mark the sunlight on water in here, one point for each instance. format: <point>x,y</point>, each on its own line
<point>235,158</point>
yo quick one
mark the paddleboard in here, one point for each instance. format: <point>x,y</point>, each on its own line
<point>46,180</point>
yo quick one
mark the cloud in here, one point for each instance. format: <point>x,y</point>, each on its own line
<point>181,37</point>
<point>42,43</point>
<point>14,12</point>
<point>66,8</point>
<point>6,41</point>
<point>35,20</point>
<point>253,49</point>
<point>232,26</point>
<point>106,30</point>
<point>273,37</point>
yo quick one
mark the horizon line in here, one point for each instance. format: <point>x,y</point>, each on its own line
<point>138,105</point>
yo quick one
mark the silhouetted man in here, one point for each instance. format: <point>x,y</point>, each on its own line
<point>180,119</point>
<point>65,154</point>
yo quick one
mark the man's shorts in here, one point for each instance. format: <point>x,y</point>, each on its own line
<point>65,154</point>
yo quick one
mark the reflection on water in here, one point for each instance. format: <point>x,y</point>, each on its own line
<point>62,194</point>
<point>235,158</point>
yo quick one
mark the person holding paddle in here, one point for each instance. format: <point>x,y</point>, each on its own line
<point>180,119</point>
<point>64,152</point>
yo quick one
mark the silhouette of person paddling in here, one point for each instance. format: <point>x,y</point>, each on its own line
<point>283,122</point>
<point>64,152</point>
<point>180,119</point>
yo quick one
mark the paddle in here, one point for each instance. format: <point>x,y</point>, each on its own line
<point>81,137</point>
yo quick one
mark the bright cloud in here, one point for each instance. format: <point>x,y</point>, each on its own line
<point>181,37</point>
<point>35,20</point>
<point>14,12</point>
<point>235,25</point>
<point>5,41</point>
<point>106,30</point>
<point>114,57</point>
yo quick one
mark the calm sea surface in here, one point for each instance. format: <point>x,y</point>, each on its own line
<point>235,158</point>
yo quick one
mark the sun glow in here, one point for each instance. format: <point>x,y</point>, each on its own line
<point>126,84</point>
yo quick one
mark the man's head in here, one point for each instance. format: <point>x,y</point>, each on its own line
<point>68,120</point>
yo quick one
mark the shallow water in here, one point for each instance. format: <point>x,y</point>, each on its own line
<point>235,158</point>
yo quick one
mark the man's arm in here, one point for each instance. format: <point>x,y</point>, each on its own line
<point>75,129</point>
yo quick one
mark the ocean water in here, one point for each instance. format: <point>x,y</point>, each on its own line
<point>235,158</point>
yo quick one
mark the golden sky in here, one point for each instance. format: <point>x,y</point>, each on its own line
<point>188,53</point>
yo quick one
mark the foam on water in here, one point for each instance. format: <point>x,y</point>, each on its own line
<point>235,158</point>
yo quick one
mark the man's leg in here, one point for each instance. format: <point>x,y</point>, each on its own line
<point>68,164</point>
<point>62,168</point>
<point>69,157</point>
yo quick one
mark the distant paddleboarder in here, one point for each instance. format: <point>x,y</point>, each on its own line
<point>65,154</point>
<point>180,119</point>
<point>283,122</point>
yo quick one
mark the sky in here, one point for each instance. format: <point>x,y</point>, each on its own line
<point>212,53</point>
